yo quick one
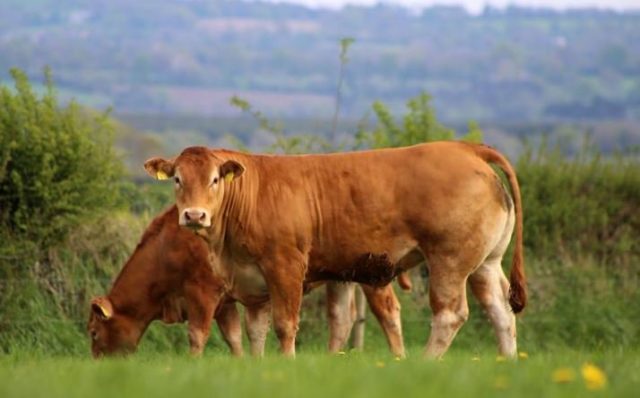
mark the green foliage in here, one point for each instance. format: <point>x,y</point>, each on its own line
<point>282,143</point>
<point>60,181</point>
<point>44,297</point>
<point>57,165</point>
<point>586,205</point>
<point>345,43</point>
<point>419,124</point>
<point>578,303</point>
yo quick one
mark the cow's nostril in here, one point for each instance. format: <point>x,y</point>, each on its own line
<point>202,216</point>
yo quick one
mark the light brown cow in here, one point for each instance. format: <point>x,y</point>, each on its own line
<point>357,216</point>
<point>169,277</point>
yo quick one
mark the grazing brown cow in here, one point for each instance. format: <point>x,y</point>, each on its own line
<point>169,277</point>
<point>357,216</point>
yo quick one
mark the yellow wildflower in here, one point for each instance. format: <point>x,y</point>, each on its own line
<point>500,358</point>
<point>523,355</point>
<point>379,364</point>
<point>594,377</point>
<point>475,358</point>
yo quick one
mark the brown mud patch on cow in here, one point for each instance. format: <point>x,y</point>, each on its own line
<point>371,268</point>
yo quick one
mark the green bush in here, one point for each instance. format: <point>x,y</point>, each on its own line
<point>585,206</point>
<point>419,124</point>
<point>57,164</point>
<point>60,182</point>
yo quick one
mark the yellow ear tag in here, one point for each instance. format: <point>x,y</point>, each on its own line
<point>229,177</point>
<point>161,175</point>
<point>106,312</point>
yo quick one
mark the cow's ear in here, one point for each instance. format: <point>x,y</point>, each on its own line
<point>159,168</point>
<point>230,170</point>
<point>102,307</point>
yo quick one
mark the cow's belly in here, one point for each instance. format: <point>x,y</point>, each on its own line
<point>375,264</point>
<point>249,286</point>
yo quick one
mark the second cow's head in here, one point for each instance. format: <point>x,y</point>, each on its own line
<point>200,178</point>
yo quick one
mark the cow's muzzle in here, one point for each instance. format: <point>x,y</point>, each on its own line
<point>195,217</point>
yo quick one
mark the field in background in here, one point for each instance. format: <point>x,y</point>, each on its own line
<point>510,65</point>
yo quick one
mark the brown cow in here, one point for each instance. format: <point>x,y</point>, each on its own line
<point>169,277</point>
<point>356,216</point>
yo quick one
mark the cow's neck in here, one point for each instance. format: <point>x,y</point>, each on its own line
<point>130,292</point>
<point>236,213</point>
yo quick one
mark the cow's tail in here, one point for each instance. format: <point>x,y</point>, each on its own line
<point>517,291</point>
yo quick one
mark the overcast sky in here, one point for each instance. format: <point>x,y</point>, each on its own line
<point>477,5</point>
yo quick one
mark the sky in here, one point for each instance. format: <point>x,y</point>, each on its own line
<point>476,6</point>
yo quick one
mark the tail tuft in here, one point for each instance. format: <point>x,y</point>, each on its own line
<point>517,298</point>
<point>517,289</point>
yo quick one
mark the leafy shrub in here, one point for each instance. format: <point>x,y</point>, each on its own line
<point>57,165</point>
<point>59,181</point>
<point>419,124</point>
<point>581,206</point>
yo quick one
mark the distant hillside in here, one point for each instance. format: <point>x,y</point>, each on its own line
<point>154,56</point>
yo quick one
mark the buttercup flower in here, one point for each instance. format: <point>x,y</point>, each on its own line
<point>594,377</point>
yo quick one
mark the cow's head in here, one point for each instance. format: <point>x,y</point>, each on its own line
<point>111,333</point>
<point>200,179</point>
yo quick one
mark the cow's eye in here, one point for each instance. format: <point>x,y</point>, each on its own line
<point>177,180</point>
<point>94,335</point>
<point>215,181</point>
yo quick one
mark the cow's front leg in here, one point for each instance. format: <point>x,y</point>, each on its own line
<point>200,309</point>
<point>285,277</point>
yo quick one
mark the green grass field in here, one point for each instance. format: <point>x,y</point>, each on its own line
<point>317,374</point>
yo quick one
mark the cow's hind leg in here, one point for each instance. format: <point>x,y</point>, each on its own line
<point>448,300</point>
<point>256,320</point>
<point>385,306</point>
<point>228,320</point>
<point>340,312</point>
<point>491,287</point>
<point>357,332</point>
